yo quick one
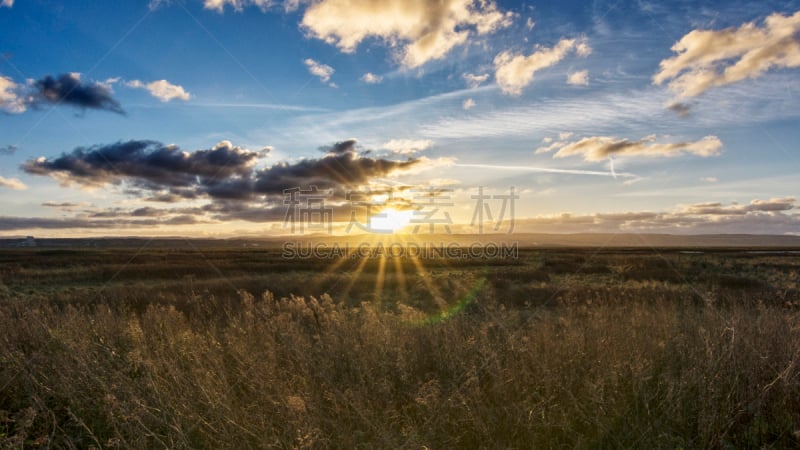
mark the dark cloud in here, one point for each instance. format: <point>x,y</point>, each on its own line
<point>8,149</point>
<point>681,109</point>
<point>165,173</point>
<point>148,165</point>
<point>340,147</point>
<point>69,89</point>
<point>61,204</point>
<point>335,170</point>
<point>30,223</point>
<point>756,206</point>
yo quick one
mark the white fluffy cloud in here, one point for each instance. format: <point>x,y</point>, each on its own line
<point>709,58</point>
<point>407,146</point>
<point>579,78</point>
<point>599,148</point>
<point>322,71</point>
<point>513,72</point>
<point>7,3</point>
<point>160,89</point>
<point>420,30</point>
<point>10,100</point>
<point>468,104</point>
<point>371,78</point>
<point>12,183</point>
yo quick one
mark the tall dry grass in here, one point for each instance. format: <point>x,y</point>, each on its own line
<point>311,373</point>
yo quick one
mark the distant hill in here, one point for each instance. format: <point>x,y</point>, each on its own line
<point>523,239</point>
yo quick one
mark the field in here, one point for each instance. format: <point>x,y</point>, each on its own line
<point>232,347</point>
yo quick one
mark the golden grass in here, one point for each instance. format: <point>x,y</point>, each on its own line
<point>312,373</point>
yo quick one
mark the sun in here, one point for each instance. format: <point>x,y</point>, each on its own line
<point>391,220</point>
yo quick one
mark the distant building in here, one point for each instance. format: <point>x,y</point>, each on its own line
<point>28,242</point>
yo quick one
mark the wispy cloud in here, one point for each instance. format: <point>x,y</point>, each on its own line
<point>12,183</point>
<point>407,146</point>
<point>161,89</point>
<point>709,58</point>
<point>771,216</point>
<point>237,5</point>
<point>275,106</point>
<point>513,71</point>
<point>474,80</point>
<point>522,168</point>
<point>599,148</point>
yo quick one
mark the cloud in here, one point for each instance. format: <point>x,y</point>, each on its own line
<point>579,78</point>
<point>582,48</point>
<point>529,24</point>
<point>709,179</point>
<point>7,3</point>
<point>468,104</point>
<point>8,149</point>
<point>322,71</point>
<point>513,71</point>
<point>371,78</point>
<point>30,223</point>
<point>148,165</point>
<point>346,146</point>
<point>709,58</point>
<point>66,89</point>
<point>158,172</point>
<point>407,146</point>
<point>337,169</point>
<point>717,209</point>
<point>759,217</point>
<point>681,109</point>
<point>599,148</point>
<point>64,205</point>
<point>11,99</point>
<point>12,183</point>
<point>71,90</point>
<point>237,5</point>
<point>161,89</point>
<point>474,81</point>
<point>419,30</point>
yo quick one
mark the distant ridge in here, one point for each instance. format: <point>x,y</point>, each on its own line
<point>534,240</point>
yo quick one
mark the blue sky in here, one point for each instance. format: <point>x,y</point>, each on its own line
<point>669,117</point>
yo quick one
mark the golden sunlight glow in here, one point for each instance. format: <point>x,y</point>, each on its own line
<point>391,220</point>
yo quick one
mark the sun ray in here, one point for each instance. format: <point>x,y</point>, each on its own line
<point>379,279</point>
<point>356,276</point>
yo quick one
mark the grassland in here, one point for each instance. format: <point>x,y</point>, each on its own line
<point>241,348</point>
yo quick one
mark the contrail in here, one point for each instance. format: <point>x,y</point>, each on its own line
<point>548,170</point>
<point>276,106</point>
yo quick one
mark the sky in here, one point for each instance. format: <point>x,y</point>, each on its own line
<point>248,117</point>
